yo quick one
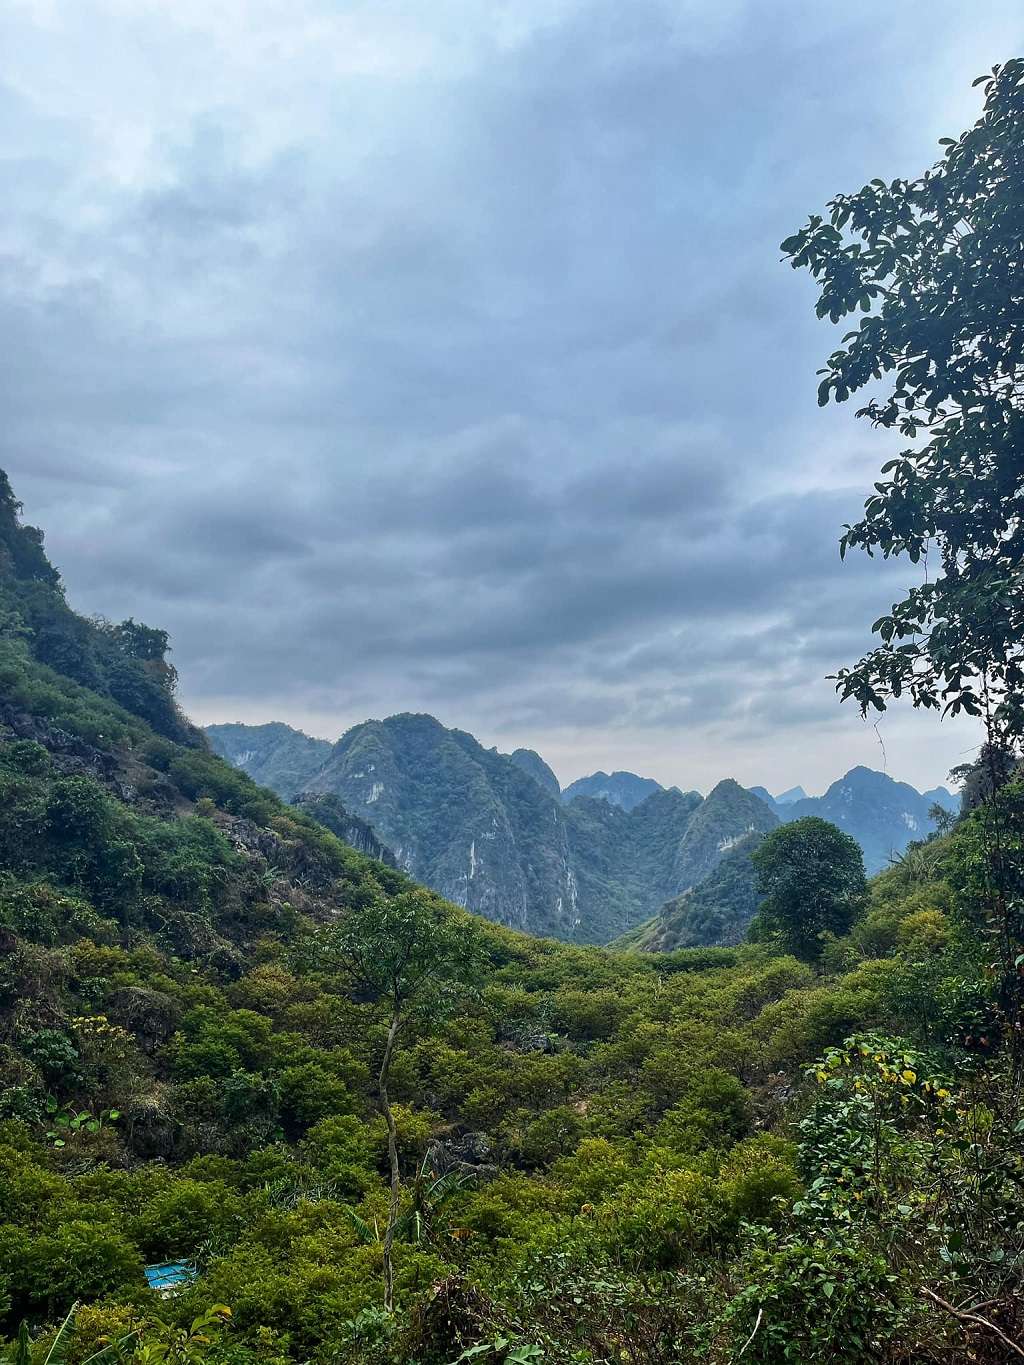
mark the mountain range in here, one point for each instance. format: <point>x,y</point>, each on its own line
<point>883,815</point>
<point>496,833</point>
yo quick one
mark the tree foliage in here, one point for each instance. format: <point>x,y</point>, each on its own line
<point>935,267</point>
<point>811,878</point>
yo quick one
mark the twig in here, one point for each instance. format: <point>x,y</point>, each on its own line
<point>757,1324</point>
<point>961,1316</point>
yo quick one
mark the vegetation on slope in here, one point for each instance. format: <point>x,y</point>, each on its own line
<point>718,910</point>
<point>621,789</point>
<point>274,755</point>
<point>492,832</point>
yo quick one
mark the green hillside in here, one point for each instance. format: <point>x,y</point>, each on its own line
<point>718,910</point>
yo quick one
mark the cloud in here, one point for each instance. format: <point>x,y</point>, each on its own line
<point>439,357</point>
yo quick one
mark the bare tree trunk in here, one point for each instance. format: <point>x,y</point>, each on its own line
<point>389,1119</point>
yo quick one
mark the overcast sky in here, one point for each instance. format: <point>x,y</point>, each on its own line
<point>437,355</point>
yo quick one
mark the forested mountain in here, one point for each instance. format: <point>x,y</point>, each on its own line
<point>489,831</point>
<point>464,820</point>
<point>719,823</point>
<point>532,763</point>
<point>883,815</point>
<point>274,755</point>
<point>717,911</point>
<point>328,811</point>
<point>477,827</point>
<point>619,788</point>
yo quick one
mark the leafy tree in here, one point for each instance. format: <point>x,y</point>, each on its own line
<point>21,547</point>
<point>936,267</point>
<point>811,876</point>
<point>413,953</point>
<point>941,818</point>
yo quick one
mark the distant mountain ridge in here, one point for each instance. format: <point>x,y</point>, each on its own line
<point>532,764</point>
<point>883,815</point>
<point>491,831</point>
<point>274,755</point>
<point>619,788</point>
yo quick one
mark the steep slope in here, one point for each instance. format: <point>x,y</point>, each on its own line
<point>473,824</point>
<point>274,755</point>
<point>883,815</point>
<point>625,859</point>
<point>478,827</point>
<point>124,664</point>
<point>718,825</point>
<point>328,811</point>
<point>492,832</point>
<point>533,765</point>
<point>619,788</point>
<point>716,912</point>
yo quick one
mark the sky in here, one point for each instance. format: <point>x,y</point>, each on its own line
<point>437,355</point>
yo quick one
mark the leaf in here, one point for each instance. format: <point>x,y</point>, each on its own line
<point>58,1352</point>
<point>360,1226</point>
<point>113,1351</point>
<point>23,1346</point>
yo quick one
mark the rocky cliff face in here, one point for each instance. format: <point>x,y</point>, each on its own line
<point>729,814</point>
<point>716,912</point>
<point>358,833</point>
<point>478,827</point>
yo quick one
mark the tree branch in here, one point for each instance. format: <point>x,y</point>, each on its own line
<point>975,1318</point>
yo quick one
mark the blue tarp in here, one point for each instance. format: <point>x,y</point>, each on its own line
<point>170,1275</point>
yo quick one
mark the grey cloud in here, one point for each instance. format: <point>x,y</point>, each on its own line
<point>448,364</point>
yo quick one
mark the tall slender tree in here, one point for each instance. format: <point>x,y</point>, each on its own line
<point>416,955</point>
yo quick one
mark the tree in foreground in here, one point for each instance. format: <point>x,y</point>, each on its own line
<point>811,876</point>
<point>935,267</point>
<point>416,956</point>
